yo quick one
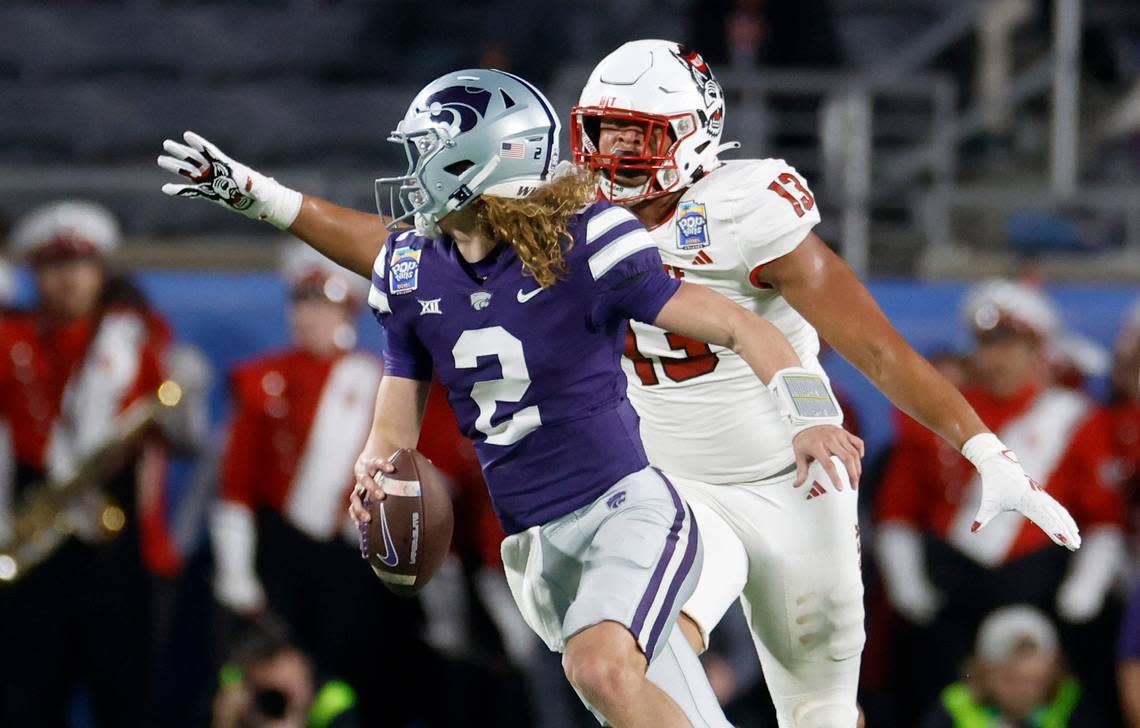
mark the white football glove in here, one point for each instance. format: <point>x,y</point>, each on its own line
<point>1006,487</point>
<point>229,183</point>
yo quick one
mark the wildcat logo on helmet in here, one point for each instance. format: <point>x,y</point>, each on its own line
<point>460,107</point>
<point>692,226</point>
<point>404,272</point>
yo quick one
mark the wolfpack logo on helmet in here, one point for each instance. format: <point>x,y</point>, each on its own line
<point>404,273</point>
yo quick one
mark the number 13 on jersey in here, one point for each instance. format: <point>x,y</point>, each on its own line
<point>682,358</point>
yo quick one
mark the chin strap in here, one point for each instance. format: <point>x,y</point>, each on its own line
<point>428,224</point>
<point>468,189</point>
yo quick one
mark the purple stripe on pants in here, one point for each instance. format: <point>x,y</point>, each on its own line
<point>663,563</point>
<point>678,580</point>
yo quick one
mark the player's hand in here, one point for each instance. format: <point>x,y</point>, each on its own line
<point>1006,487</point>
<point>366,490</point>
<point>820,443</point>
<point>218,178</point>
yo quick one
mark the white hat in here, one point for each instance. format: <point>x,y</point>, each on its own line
<point>1002,303</point>
<point>301,265</point>
<point>72,225</point>
<point>1006,629</point>
<point>1086,356</point>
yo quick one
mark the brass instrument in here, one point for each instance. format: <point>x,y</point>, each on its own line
<point>44,521</point>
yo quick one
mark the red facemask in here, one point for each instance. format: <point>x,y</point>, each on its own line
<point>659,144</point>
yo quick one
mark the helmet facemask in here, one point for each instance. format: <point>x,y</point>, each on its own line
<point>656,159</point>
<point>406,197</point>
<point>410,197</point>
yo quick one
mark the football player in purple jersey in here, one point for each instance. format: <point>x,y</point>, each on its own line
<point>514,290</point>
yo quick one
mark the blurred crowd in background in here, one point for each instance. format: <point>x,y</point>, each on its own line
<point>176,440</point>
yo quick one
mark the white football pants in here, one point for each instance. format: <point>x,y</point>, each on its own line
<point>792,555</point>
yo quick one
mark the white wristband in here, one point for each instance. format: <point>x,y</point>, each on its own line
<point>280,204</point>
<point>805,399</point>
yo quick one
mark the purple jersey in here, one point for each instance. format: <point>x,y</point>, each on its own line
<point>533,375</point>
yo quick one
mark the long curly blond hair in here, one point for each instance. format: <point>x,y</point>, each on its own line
<point>536,225</point>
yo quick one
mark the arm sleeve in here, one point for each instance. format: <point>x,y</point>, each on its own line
<point>775,212</point>
<point>404,355</point>
<point>629,279</point>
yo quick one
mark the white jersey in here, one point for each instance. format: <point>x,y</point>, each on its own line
<point>704,413</point>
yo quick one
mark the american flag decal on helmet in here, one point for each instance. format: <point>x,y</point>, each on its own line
<point>512,150</point>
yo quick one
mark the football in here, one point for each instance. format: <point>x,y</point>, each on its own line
<point>410,532</point>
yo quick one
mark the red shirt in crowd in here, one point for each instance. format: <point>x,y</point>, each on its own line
<point>111,360</point>
<point>928,484</point>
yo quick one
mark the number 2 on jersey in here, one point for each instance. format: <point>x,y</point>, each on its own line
<point>700,359</point>
<point>511,387</point>
<point>801,204</point>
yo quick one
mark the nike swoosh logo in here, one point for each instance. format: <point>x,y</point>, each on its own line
<point>391,557</point>
<point>524,297</point>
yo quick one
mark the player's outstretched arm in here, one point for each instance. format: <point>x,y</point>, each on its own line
<point>818,284</point>
<point>395,424</point>
<point>349,237</point>
<point>805,397</point>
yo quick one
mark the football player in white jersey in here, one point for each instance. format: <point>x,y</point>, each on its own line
<point>781,536</point>
<point>649,123</point>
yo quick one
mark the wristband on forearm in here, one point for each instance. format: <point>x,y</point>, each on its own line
<point>280,205</point>
<point>805,399</point>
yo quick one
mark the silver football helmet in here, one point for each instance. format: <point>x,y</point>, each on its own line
<point>469,133</point>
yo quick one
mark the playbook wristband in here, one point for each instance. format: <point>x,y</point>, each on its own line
<point>805,399</point>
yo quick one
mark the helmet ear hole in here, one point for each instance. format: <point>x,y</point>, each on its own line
<point>458,168</point>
